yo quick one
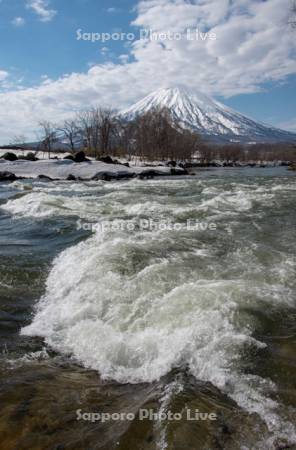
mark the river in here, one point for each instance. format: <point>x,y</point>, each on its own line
<point>169,295</point>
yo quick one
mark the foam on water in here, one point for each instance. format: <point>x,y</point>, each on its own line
<point>49,202</point>
<point>150,328</point>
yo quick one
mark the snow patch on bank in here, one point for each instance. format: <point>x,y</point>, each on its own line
<point>61,169</point>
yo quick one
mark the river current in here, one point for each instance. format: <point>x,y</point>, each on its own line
<point>165,294</point>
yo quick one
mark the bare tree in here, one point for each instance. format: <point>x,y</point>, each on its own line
<point>48,136</point>
<point>155,135</point>
<point>85,125</point>
<point>90,130</point>
<point>70,131</point>
<point>98,127</point>
<point>107,126</point>
<point>231,153</point>
<point>126,138</point>
<point>19,141</point>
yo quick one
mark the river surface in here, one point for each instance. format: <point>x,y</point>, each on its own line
<point>165,295</point>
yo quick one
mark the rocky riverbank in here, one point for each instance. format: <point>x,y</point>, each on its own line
<point>50,170</point>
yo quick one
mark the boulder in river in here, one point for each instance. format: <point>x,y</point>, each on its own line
<point>9,156</point>
<point>107,160</point>
<point>149,174</point>
<point>104,176</point>
<point>7,176</point>
<point>71,177</point>
<point>179,171</point>
<point>28,157</point>
<point>80,157</point>
<point>109,176</point>
<point>171,163</point>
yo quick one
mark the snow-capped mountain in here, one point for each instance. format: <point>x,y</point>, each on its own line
<point>211,119</point>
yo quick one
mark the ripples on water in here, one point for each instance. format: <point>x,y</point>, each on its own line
<point>115,321</point>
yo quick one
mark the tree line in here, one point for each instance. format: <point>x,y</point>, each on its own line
<point>261,152</point>
<point>155,135</point>
<point>100,132</point>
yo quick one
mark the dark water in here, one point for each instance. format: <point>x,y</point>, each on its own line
<point>118,320</point>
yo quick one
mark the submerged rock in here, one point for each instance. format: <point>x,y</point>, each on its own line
<point>44,178</point>
<point>71,177</point>
<point>292,166</point>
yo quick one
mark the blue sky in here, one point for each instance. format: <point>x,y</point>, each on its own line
<point>46,73</point>
<point>276,104</point>
<point>37,47</point>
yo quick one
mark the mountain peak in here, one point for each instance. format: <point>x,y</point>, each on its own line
<point>173,95</point>
<point>178,91</point>
<point>204,115</point>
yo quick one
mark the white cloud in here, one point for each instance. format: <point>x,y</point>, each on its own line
<point>124,58</point>
<point>113,10</point>
<point>18,21</point>
<point>3,75</point>
<point>254,46</point>
<point>104,50</point>
<point>41,8</point>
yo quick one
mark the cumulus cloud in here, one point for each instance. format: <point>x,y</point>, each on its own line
<point>42,9</point>
<point>254,46</point>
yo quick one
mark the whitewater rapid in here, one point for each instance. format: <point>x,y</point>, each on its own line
<point>133,306</point>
